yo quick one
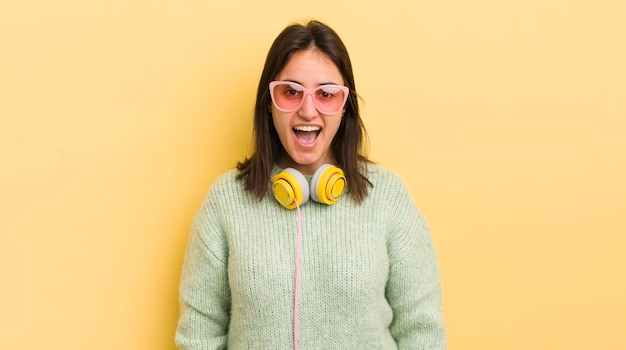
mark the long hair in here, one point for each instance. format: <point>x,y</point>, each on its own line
<point>348,143</point>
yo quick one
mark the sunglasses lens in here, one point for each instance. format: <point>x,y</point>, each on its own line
<point>288,97</point>
<point>328,99</point>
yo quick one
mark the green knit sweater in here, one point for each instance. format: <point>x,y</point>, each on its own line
<point>369,277</point>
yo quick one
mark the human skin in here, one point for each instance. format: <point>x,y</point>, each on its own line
<point>306,134</point>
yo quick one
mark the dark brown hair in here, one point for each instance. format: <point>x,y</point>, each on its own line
<point>348,144</point>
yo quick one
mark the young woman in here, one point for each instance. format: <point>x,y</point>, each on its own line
<point>351,268</point>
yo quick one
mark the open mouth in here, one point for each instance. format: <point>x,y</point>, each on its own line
<point>307,133</point>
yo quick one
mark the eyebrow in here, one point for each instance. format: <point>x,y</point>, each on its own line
<point>321,84</point>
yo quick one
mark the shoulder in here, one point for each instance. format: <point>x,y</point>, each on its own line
<point>226,181</point>
<point>390,193</point>
<point>384,180</point>
<point>226,191</point>
<point>227,184</point>
<point>376,171</point>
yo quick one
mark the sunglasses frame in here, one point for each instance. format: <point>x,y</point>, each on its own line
<point>305,92</point>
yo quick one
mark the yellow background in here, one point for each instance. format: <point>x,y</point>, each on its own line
<point>507,120</point>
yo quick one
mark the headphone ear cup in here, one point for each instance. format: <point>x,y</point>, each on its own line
<point>328,184</point>
<point>290,188</point>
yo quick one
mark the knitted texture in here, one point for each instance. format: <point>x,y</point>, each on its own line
<point>369,276</point>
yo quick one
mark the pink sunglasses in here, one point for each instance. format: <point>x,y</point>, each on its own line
<point>288,96</point>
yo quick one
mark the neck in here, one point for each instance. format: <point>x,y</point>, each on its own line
<point>307,169</point>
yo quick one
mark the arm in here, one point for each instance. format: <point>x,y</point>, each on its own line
<point>414,286</point>
<point>204,291</point>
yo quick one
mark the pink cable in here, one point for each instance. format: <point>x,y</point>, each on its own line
<point>297,286</point>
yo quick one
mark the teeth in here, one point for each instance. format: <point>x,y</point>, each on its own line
<point>307,128</point>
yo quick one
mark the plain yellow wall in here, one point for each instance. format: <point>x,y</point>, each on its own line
<point>505,118</point>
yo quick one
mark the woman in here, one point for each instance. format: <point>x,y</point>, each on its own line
<point>352,268</point>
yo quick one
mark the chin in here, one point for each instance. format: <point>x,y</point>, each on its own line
<point>306,161</point>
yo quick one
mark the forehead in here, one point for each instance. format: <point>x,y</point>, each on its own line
<point>311,67</point>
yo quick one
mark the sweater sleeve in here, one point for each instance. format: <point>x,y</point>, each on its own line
<point>204,291</point>
<point>414,286</point>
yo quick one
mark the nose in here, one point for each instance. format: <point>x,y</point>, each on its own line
<point>308,109</point>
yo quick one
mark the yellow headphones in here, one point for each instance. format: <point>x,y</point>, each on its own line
<point>290,188</point>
